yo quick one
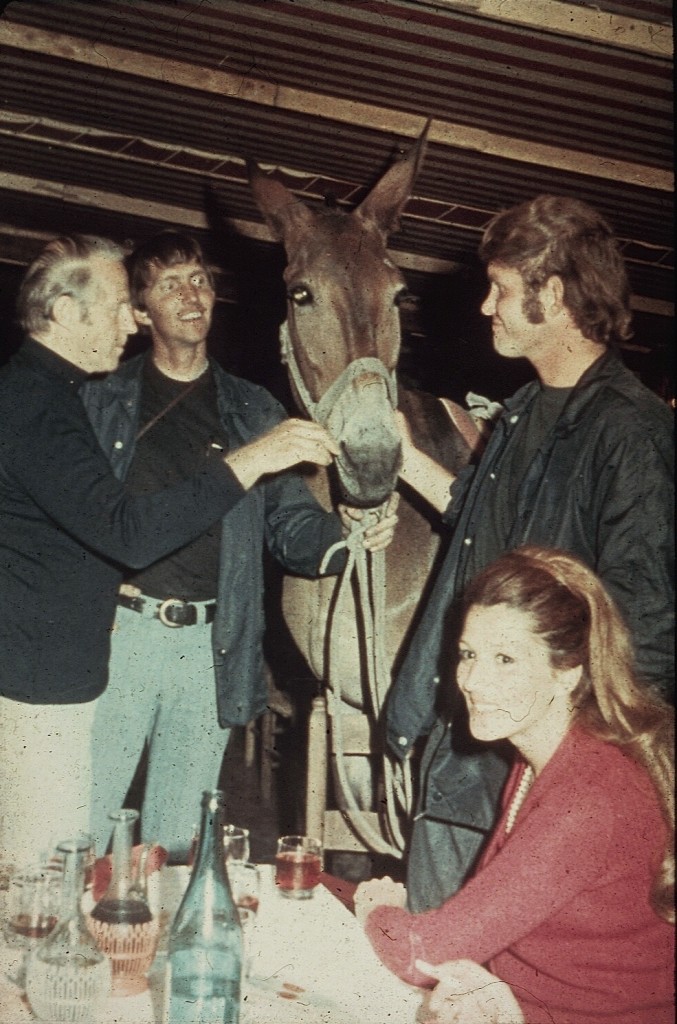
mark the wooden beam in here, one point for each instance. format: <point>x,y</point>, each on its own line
<point>115,59</point>
<point>250,229</point>
<point>224,167</point>
<point>572,20</point>
<point>181,215</point>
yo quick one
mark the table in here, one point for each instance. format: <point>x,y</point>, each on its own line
<point>310,963</point>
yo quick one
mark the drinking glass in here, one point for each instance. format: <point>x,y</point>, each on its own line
<point>245,884</point>
<point>247,922</point>
<point>83,839</point>
<point>236,843</point>
<point>298,864</point>
<point>33,897</point>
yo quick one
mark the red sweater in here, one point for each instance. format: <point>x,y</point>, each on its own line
<point>559,908</point>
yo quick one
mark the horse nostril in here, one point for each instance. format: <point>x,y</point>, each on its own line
<point>367,380</point>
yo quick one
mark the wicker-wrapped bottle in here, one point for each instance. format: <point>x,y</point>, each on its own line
<point>122,922</point>
<point>68,978</point>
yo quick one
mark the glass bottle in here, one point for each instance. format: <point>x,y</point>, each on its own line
<point>68,978</point>
<point>122,903</point>
<point>204,957</point>
<point>122,922</point>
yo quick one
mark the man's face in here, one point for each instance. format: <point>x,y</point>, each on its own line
<point>178,305</point>
<point>515,335</point>
<point>107,321</point>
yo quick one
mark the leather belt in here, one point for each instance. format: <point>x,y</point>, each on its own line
<point>172,612</point>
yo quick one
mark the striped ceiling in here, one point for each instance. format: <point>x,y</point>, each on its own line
<point>125,116</point>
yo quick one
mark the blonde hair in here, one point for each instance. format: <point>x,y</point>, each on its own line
<point>574,615</point>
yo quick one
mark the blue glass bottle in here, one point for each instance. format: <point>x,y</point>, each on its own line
<point>204,958</point>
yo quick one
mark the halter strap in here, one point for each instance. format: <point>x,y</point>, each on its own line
<point>320,411</point>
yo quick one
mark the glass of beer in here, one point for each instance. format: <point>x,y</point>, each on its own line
<point>298,864</point>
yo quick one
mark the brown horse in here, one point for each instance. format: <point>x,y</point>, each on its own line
<point>341,343</point>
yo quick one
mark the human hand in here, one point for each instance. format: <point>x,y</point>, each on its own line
<point>406,436</point>
<point>288,444</point>
<point>378,892</point>
<point>379,536</point>
<point>428,477</point>
<point>467,993</point>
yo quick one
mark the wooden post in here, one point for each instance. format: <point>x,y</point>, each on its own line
<point>316,782</point>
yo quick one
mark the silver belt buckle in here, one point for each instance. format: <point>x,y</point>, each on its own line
<point>171,602</point>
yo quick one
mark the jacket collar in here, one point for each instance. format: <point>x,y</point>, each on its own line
<point>126,380</point>
<point>600,373</point>
<point>43,358</point>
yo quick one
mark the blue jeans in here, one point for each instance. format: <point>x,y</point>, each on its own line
<point>161,691</point>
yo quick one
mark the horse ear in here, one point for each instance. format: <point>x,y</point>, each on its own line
<point>281,209</point>
<point>386,200</point>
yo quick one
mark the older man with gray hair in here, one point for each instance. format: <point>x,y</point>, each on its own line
<point>68,525</point>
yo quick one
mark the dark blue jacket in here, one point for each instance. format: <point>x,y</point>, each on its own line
<point>602,487</point>
<point>279,511</point>
<point>67,525</point>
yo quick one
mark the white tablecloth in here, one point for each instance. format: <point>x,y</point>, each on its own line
<point>310,963</point>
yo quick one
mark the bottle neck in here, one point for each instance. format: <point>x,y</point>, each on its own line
<point>121,879</point>
<point>210,855</point>
<point>72,884</point>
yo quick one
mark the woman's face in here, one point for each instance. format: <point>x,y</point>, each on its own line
<point>510,686</point>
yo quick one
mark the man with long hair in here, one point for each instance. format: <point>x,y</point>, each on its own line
<point>581,459</point>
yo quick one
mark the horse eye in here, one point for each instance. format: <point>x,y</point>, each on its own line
<point>300,295</point>
<point>404,299</point>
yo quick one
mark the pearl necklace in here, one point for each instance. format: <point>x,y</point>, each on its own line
<point>519,797</point>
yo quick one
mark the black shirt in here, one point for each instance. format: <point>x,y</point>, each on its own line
<point>176,440</point>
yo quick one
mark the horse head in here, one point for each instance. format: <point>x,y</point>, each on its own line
<point>341,340</point>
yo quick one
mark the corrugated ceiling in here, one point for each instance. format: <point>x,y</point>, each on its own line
<point>122,115</point>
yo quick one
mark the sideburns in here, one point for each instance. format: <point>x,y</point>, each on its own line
<point>532,307</point>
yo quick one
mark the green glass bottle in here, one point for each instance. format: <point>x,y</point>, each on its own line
<point>204,957</point>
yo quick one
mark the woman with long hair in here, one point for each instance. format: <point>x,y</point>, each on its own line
<point>572,903</point>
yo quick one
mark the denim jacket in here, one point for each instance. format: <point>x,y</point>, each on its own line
<point>279,510</point>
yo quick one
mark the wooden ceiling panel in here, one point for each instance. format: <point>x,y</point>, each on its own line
<point>137,111</point>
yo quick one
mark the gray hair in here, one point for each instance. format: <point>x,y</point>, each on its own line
<point>62,268</point>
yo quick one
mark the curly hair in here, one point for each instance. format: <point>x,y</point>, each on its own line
<point>574,615</point>
<point>557,236</point>
<point>62,268</point>
<point>166,249</point>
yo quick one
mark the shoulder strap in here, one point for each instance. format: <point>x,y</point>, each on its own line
<point>163,412</point>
